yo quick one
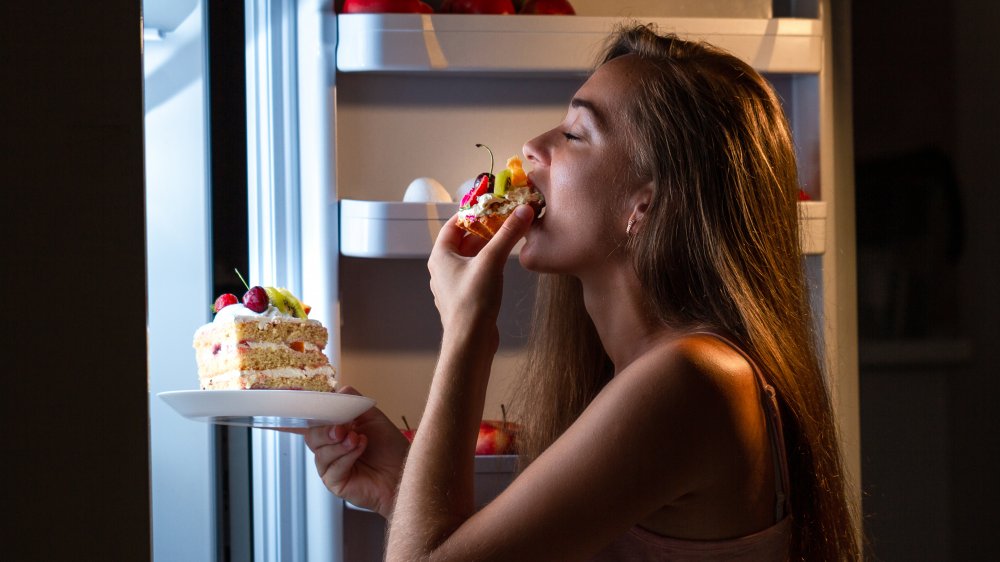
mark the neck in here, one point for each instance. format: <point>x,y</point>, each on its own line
<point>614,301</point>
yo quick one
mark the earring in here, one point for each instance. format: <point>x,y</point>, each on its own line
<point>628,227</point>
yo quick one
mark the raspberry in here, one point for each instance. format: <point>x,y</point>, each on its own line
<point>256,299</point>
<point>223,301</point>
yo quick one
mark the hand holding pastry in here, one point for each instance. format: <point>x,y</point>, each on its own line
<point>467,271</point>
<point>492,199</point>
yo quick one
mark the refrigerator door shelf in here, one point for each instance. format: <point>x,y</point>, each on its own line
<point>396,229</point>
<point>552,44</point>
<point>391,229</point>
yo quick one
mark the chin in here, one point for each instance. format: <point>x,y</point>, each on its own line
<point>528,256</point>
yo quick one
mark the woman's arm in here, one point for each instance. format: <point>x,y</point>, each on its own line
<point>643,442</point>
<point>436,492</point>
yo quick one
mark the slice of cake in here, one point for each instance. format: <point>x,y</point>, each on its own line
<point>267,342</point>
<point>491,200</point>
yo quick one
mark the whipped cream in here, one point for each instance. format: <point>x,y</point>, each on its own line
<point>230,379</point>
<point>491,204</point>
<point>234,311</point>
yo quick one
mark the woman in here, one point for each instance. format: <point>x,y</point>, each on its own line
<point>673,404</point>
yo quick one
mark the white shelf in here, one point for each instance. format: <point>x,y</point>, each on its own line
<point>391,229</point>
<point>552,44</point>
<point>394,229</point>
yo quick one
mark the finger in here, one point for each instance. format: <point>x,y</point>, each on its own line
<point>471,245</point>
<point>330,452</point>
<point>450,236</point>
<point>512,230</point>
<point>347,389</point>
<point>337,473</point>
<point>317,437</point>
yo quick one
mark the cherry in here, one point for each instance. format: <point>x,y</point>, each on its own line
<point>256,299</point>
<point>223,301</point>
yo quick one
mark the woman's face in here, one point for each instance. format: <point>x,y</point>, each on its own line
<point>582,169</point>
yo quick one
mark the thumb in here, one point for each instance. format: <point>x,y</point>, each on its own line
<point>346,389</point>
<point>513,229</point>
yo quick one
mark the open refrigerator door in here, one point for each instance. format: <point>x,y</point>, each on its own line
<point>352,108</point>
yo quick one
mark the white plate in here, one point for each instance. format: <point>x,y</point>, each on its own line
<point>267,408</point>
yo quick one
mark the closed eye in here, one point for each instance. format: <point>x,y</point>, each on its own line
<point>570,136</point>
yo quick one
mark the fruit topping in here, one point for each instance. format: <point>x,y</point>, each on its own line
<point>278,300</point>
<point>518,177</point>
<point>492,160</point>
<point>285,301</point>
<point>292,302</point>
<point>259,298</point>
<point>256,299</point>
<point>223,301</point>
<point>483,184</point>
<point>502,183</point>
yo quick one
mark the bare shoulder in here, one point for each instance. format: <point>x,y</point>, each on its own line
<point>692,362</point>
<point>696,383</point>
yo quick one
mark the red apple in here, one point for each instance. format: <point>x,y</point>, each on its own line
<point>477,7</point>
<point>547,7</point>
<point>495,438</point>
<point>386,7</point>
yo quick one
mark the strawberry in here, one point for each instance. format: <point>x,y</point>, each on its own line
<point>223,301</point>
<point>481,187</point>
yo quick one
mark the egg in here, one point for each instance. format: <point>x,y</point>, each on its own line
<point>426,190</point>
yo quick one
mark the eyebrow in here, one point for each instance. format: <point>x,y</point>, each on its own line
<point>589,106</point>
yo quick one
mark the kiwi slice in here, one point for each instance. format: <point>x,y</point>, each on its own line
<point>502,182</point>
<point>295,307</point>
<point>278,300</point>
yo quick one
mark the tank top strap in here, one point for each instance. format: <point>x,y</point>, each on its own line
<point>772,413</point>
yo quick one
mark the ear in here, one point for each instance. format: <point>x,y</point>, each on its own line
<point>639,201</point>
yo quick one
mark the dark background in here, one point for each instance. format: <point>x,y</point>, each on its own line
<point>926,81</point>
<point>74,384</point>
<point>75,456</point>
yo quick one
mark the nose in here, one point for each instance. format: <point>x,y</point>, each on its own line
<point>534,150</point>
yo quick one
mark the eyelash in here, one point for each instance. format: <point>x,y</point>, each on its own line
<point>571,137</point>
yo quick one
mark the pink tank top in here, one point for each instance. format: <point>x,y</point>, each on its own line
<point>772,543</point>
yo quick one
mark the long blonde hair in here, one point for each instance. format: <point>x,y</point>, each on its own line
<point>718,249</point>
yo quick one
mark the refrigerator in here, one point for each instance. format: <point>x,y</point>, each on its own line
<point>343,113</point>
